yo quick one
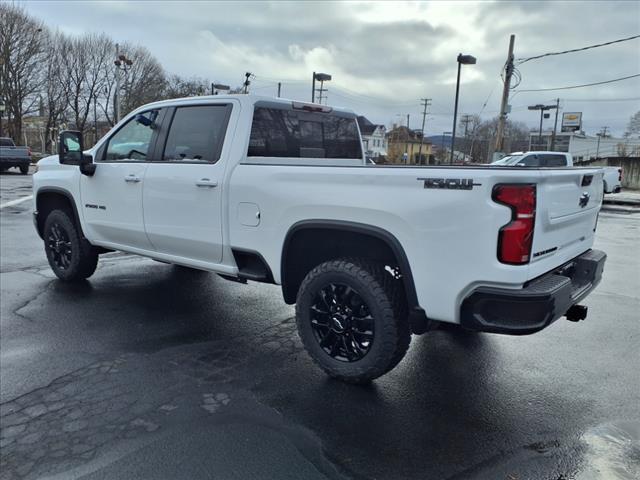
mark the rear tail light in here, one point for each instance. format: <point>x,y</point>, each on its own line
<point>29,151</point>
<point>516,237</point>
<point>620,175</point>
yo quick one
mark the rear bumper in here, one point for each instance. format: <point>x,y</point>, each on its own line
<point>538,304</point>
<point>8,162</point>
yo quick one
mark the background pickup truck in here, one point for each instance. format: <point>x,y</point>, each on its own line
<point>12,156</point>
<point>612,180</point>
<point>278,191</point>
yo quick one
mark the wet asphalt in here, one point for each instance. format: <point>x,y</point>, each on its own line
<point>152,371</point>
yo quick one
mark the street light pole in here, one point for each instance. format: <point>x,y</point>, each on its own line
<point>555,126</point>
<point>466,60</point>
<point>542,109</point>
<point>321,77</point>
<point>540,130</point>
<point>455,113</point>
<point>122,63</point>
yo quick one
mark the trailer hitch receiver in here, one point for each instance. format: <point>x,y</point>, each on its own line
<point>576,313</point>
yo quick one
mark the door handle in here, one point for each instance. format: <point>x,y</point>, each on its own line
<point>132,178</point>
<point>205,182</point>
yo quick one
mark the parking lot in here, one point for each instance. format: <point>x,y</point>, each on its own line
<point>153,371</point>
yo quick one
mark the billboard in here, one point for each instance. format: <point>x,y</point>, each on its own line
<point>571,121</point>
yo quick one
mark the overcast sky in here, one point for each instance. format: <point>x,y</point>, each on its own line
<point>384,57</point>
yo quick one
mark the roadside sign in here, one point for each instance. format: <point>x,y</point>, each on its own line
<point>571,121</point>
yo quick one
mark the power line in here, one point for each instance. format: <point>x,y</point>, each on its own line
<point>523,60</point>
<point>603,100</point>
<point>580,86</point>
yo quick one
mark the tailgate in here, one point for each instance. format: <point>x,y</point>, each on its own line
<point>567,206</point>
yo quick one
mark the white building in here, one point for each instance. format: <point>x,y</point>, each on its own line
<point>584,147</point>
<point>373,138</point>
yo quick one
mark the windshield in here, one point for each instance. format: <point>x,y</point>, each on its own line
<point>508,160</point>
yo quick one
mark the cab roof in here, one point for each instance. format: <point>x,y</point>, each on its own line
<point>248,99</point>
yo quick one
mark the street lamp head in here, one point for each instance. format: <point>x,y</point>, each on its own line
<point>323,77</point>
<point>466,59</point>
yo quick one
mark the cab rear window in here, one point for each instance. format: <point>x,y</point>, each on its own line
<point>297,134</point>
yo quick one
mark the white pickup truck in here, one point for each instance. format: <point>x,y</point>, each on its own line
<point>612,180</point>
<point>278,191</point>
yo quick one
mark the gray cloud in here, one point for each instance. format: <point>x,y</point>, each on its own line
<point>385,56</point>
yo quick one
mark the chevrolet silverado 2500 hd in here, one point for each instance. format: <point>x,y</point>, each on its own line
<point>278,191</point>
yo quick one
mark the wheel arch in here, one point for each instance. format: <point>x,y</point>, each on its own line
<point>54,198</point>
<point>311,242</point>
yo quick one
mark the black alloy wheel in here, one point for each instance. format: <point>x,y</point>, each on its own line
<point>352,319</point>
<point>70,255</point>
<point>60,246</point>
<point>342,323</point>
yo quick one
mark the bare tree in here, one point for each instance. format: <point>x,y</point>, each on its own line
<point>144,81</point>
<point>84,62</point>
<point>22,41</point>
<point>177,87</point>
<point>516,136</point>
<point>54,89</point>
<point>633,127</point>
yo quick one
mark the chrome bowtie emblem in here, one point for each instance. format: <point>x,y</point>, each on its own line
<point>584,199</point>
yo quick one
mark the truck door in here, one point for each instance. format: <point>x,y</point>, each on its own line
<point>183,190</point>
<point>112,197</point>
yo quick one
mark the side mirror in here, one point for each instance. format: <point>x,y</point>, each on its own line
<point>146,121</point>
<point>70,152</point>
<point>70,147</point>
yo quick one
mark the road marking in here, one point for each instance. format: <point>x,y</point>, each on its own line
<point>16,201</point>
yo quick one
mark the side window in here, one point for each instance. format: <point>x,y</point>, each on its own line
<point>530,161</point>
<point>555,161</point>
<point>132,141</point>
<point>296,134</point>
<point>196,134</point>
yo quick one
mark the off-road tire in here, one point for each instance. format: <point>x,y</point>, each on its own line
<point>24,169</point>
<point>83,257</point>
<point>385,299</point>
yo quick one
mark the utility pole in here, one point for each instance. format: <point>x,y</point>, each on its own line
<point>466,120</point>
<point>504,105</point>
<point>279,87</point>
<point>602,133</point>
<point>313,88</point>
<point>426,102</point>
<point>555,126</point>
<point>320,90</point>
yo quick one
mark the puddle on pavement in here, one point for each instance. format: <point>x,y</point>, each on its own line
<point>612,452</point>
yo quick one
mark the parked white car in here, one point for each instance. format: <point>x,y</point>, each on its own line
<point>271,190</point>
<point>612,175</point>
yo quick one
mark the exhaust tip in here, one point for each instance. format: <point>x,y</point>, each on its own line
<point>576,313</point>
